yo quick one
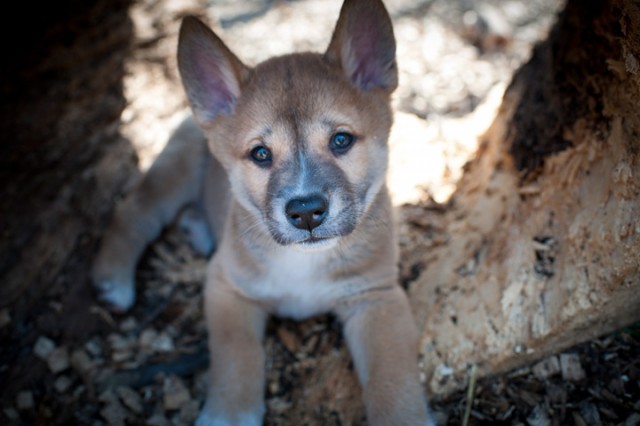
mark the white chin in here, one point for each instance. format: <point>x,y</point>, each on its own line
<point>315,246</point>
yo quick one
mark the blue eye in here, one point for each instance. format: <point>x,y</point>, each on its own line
<point>341,142</point>
<point>261,155</point>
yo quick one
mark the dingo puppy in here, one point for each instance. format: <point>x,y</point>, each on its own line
<point>294,196</point>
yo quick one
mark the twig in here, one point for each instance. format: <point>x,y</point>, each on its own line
<point>470,394</point>
<point>183,366</point>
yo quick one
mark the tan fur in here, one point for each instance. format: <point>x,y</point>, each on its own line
<point>265,262</point>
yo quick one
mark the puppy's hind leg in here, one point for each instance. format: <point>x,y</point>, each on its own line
<point>192,223</point>
<point>174,180</point>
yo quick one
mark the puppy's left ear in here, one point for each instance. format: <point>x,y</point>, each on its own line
<point>363,45</point>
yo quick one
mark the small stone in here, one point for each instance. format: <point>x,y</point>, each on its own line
<point>131,399</point>
<point>24,401</point>
<point>175,393</point>
<point>5,317</point>
<point>62,384</point>
<point>571,367</point>
<point>43,347</point>
<point>58,360</point>
<point>81,362</point>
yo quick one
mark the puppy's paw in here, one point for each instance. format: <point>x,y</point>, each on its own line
<point>431,421</point>
<point>118,295</point>
<point>207,419</point>
<point>193,225</point>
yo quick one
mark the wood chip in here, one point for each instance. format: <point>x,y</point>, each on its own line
<point>578,420</point>
<point>288,339</point>
<point>114,414</point>
<point>175,393</point>
<point>81,362</point>
<point>546,368</point>
<point>590,414</point>
<point>129,325</point>
<point>610,414</point>
<point>538,417</point>
<point>279,405</point>
<point>189,411</point>
<point>163,343</point>
<point>117,342</point>
<point>11,413</point>
<point>131,399</point>
<point>529,398</point>
<point>24,401</point>
<point>121,356</point>
<point>43,347</point>
<point>94,347</point>
<point>610,397</point>
<point>571,367</point>
<point>529,189</point>
<point>556,394</point>
<point>5,317</point>
<point>633,420</point>
<point>62,384</point>
<point>147,337</point>
<point>158,420</point>
<point>58,360</point>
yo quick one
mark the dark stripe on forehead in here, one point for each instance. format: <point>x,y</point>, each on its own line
<point>293,113</point>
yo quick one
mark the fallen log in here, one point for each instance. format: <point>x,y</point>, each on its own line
<point>543,246</point>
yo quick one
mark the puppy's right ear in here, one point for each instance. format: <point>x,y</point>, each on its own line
<point>212,76</point>
<point>363,45</point>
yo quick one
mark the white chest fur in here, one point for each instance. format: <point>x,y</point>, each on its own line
<point>296,284</point>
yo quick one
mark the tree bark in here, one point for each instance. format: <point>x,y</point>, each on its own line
<point>62,161</point>
<point>543,247</point>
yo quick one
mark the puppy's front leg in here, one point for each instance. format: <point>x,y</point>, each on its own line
<point>383,341</point>
<point>236,328</point>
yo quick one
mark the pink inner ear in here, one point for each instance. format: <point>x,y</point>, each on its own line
<point>216,88</point>
<point>367,55</point>
<point>365,69</point>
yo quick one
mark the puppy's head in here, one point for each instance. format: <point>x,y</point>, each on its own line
<point>303,137</point>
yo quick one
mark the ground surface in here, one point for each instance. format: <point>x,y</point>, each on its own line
<point>147,367</point>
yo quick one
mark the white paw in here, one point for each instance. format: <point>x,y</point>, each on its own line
<point>205,419</point>
<point>431,421</point>
<point>118,295</point>
<point>244,419</point>
<point>194,226</point>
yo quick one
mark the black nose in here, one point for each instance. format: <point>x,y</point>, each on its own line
<point>307,213</point>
